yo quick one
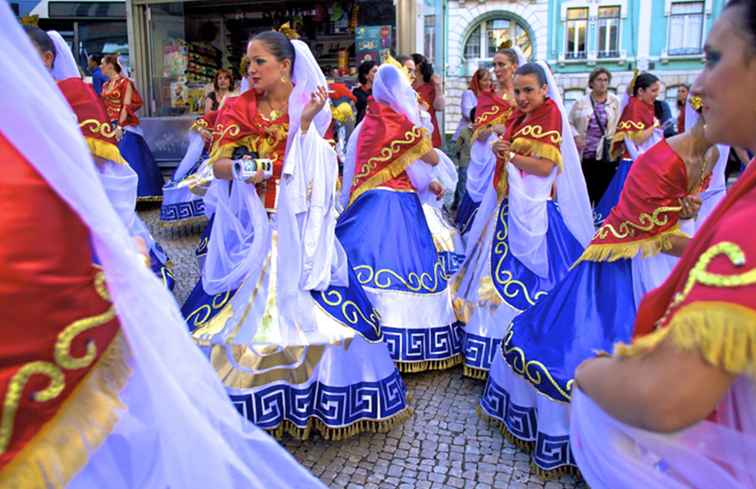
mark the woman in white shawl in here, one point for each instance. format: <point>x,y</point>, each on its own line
<point>153,415</point>
<point>522,242</point>
<point>297,343</point>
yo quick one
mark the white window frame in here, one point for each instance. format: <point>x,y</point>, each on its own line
<point>605,49</point>
<point>482,28</point>
<point>666,56</point>
<point>577,55</point>
<point>593,6</point>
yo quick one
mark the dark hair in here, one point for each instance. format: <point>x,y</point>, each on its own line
<point>218,74</point>
<point>511,54</point>
<point>279,46</point>
<point>600,70</point>
<point>403,58</point>
<point>364,70</point>
<point>748,21</point>
<point>41,40</point>
<point>533,69</point>
<point>97,58</point>
<point>112,59</point>
<point>644,80</point>
<point>423,66</point>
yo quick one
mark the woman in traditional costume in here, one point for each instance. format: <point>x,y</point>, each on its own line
<point>118,178</point>
<point>637,130</point>
<point>122,101</point>
<point>675,408</point>
<point>593,306</point>
<point>297,345</point>
<point>92,391</point>
<point>388,169</point>
<point>492,114</point>
<point>521,243</point>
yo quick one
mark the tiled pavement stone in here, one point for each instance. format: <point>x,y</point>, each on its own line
<point>444,445</point>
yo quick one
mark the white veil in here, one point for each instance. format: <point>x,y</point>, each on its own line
<point>390,87</point>
<point>572,193</point>
<point>196,437</point>
<point>65,65</point>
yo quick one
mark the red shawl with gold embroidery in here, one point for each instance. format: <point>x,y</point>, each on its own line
<point>239,124</point>
<point>388,144</point>
<point>491,111</point>
<point>114,96</point>
<point>636,118</point>
<point>708,303</point>
<point>537,134</point>
<point>648,212</point>
<point>93,122</point>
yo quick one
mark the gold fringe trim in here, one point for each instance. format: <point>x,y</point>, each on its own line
<point>649,247</point>
<point>724,333</point>
<point>527,447</point>
<point>105,150</point>
<point>62,446</point>
<point>339,434</point>
<point>500,119</point>
<point>537,149</point>
<point>190,221</point>
<point>150,198</point>
<point>415,367</point>
<point>395,168</point>
<point>475,373</point>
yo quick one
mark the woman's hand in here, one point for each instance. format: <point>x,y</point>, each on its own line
<point>499,129</point>
<point>437,189</point>
<point>207,136</point>
<point>484,133</point>
<point>317,101</point>
<point>691,204</point>
<point>118,132</point>
<point>501,148</point>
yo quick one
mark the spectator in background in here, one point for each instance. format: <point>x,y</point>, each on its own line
<point>664,113</point>
<point>223,85</point>
<point>431,90</point>
<point>682,96</point>
<point>593,119</point>
<point>365,75</point>
<point>98,78</point>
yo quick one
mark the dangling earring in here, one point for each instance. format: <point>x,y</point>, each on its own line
<point>285,79</point>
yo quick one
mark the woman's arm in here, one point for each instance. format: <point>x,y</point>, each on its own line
<point>664,390</point>
<point>222,169</point>
<point>535,166</point>
<point>126,102</point>
<point>208,104</point>
<point>439,103</point>
<point>431,157</point>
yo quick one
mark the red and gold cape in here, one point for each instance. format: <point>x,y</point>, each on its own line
<point>647,215</point>
<point>239,124</point>
<point>636,118</point>
<point>708,303</point>
<point>93,122</point>
<point>537,134</point>
<point>389,142</point>
<point>491,110</point>
<point>62,359</point>
<point>114,96</point>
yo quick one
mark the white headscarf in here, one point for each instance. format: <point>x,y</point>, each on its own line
<point>202,440</point>
<point>572,193</point>
<point>65,65</point>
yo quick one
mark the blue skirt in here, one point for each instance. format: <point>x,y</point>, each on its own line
<point>180,206</point>
<point>516,284</point>
<point>135,150</point>
<point>612,194</point>
<point>161,266</point>
<point>466,213</point>
<point>590,310</point>
<point>391,249</point>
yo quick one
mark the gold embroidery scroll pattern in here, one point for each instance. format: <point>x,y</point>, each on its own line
<point>390,151</point>
<point>630,125</point>
<point>98,127</point>
<point>222,131</point>
<point>53,372</point>
<point>351,310</point>
<point>533,370</point>
<point>699,275</point>
<point>505,278</point>
<point>483,118</point>
<point>415,282</point>
<point>646,222</point>
<point>537,132</point>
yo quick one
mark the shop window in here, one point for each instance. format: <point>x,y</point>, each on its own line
<point>575,34</point>
<point>488,36</point>
<point>608,32</point>
<point>685,33</point>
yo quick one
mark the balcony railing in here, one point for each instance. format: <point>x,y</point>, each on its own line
<point>576,55</point>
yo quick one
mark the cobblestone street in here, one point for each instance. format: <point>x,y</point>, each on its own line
<point>443,445</point>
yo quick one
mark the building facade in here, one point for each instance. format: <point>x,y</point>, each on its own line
<point>574,36</point>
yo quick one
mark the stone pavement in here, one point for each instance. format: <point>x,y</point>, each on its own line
<point>443,445</point>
